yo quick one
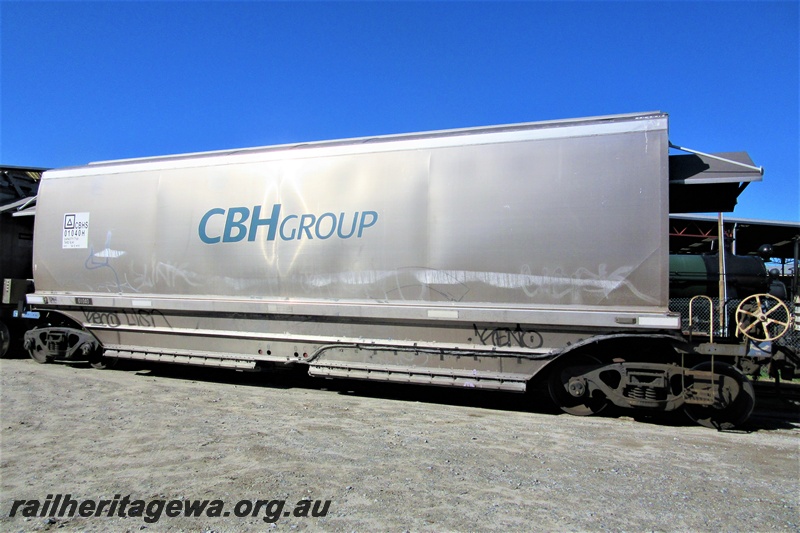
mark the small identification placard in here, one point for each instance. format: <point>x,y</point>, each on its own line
<point>76,230</point>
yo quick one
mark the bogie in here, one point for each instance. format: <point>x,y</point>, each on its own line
<point>712,393</point>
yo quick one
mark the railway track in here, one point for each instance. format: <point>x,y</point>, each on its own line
<point>777,403</point>
<point>784,390</point>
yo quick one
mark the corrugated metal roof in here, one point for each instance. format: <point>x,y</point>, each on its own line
<point>703,183</point>
<point>699,233</point>
<point>18,186</point>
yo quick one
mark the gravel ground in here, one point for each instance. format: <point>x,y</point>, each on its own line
<point>388,458</point>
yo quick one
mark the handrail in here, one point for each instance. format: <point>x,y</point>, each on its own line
<point>710,318</point>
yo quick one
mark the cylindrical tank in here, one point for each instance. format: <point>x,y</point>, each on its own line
<point>692,275</point>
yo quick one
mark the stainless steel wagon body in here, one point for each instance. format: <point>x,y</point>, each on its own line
<point>464,257</point>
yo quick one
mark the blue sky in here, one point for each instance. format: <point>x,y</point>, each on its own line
<point>89,81</point>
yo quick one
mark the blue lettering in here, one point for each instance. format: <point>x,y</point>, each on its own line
<point>292,234</point>
<point>341,225</point>
<point>204,221</point>
<point>232,223</point>
<point>333,226</point>
<point>257,222</point>
<point>364,224</point>
<point>240,222</point>
<point>306,221</point>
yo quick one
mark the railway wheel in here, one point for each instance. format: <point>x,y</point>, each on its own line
<point>34,345</point>
<point>569,390</point>
<point>39,355</point>
<point>101,362</point>
<point>734,399</point>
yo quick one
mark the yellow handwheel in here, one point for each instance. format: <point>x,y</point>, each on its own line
<point>762,317</point>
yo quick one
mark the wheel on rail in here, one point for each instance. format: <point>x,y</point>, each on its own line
<point>39,356</point>
<point>762,317</point>
<point>734,399</point>
<point>569,391</point>
<point>101,362</point>
<point>34,345</point>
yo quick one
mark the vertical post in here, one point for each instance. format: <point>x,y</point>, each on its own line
<point>723,285</point>
<point>796,283</point>
<point>796,277</point>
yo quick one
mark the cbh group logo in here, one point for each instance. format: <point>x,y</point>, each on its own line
<point>237,223</point>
